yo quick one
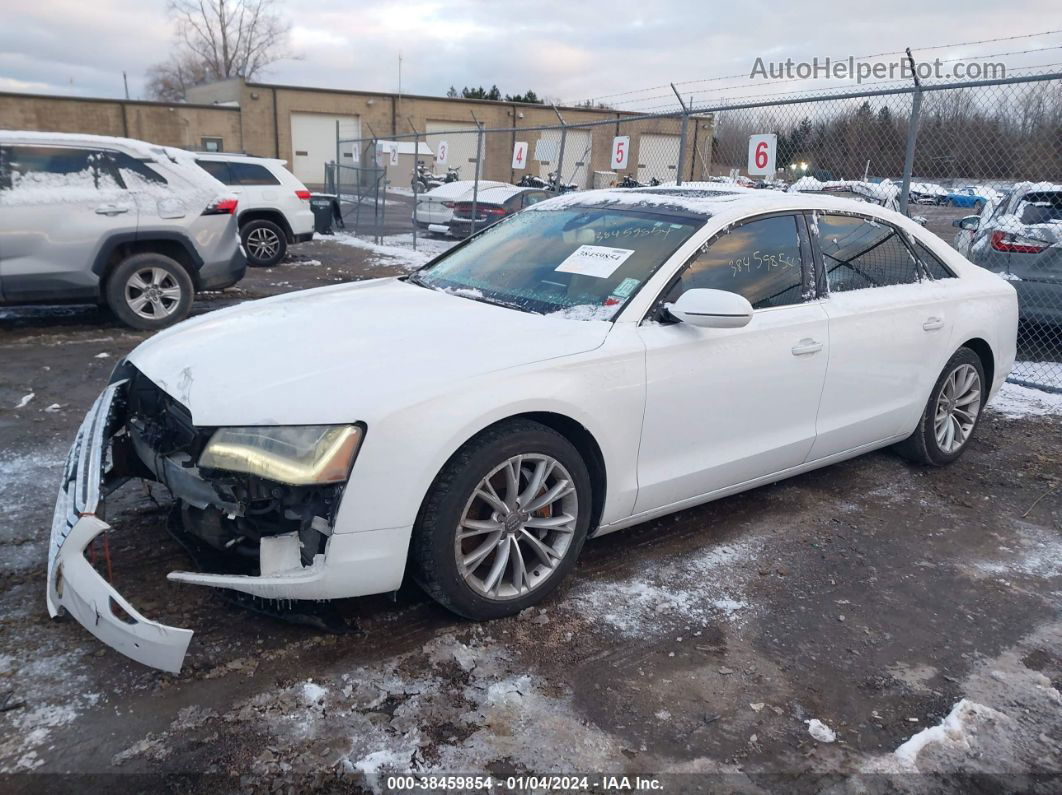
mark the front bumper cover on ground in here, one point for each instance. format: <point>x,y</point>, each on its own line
<point>73,584</point>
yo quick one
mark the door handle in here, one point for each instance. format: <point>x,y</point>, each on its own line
<point>111,209</point>
<point>933,323</point>
<point>806,346</point>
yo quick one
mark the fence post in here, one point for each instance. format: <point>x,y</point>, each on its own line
<point>338,158</point>
<point>416,164</point>
<point>560,156</point>
<point>475,184</point>
<point>912,135</point>
<point>682,138</point>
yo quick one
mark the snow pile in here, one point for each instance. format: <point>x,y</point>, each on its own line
<point>1014,401</point>
<point>952,732</point>
<point>399,255</point>
<point>585,312</point>
<point>699,588</point>
<point>820,731</point>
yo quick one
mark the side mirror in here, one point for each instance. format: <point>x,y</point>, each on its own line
<point>969,223</point>
<point>712,309</point>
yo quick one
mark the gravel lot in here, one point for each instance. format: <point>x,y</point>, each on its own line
<point>810,628</point>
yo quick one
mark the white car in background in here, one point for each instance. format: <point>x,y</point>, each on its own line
<point>436,207</point>
<point>594,361</point>
<point>274,205</point>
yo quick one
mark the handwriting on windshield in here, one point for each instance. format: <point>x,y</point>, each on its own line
<point>628,232</point>
<point>761,261</point>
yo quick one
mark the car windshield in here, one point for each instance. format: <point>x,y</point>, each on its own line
<point>582,263</point>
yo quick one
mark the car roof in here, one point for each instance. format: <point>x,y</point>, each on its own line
<point>499,193</point>
<point>457,189</point>
<point>240,156</point>
<point>705,199</point>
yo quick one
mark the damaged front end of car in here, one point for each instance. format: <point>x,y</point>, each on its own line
<point>262,500</point>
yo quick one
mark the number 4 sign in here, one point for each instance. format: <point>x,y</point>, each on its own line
<point>621,146</point>
<point>762,150</point>
<point>520,154</point>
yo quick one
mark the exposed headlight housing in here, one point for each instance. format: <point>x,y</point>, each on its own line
<point>298,455</point>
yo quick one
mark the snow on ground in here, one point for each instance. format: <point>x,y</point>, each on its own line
<point>1016,402</point>
<point>399,248</point>
<point>24,481</point>
<point>702,587</point>
<point>1038,554</point>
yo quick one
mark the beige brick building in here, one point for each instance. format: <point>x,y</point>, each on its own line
<point>300,124</point>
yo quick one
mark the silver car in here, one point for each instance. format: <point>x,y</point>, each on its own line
<point>1020,238</point>
<point>94,219</point>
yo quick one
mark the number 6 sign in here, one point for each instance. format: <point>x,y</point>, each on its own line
<point>762,150</point>
<point>621,146</point>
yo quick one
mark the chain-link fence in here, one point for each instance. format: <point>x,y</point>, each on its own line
<point>978,163</point>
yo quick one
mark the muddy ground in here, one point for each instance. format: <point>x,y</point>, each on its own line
<point>872,597</point>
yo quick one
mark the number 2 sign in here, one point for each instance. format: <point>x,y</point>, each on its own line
<point>762,149</point>
<point>520,154</point>
<point>621,146</point>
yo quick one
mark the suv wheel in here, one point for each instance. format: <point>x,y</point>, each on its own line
<point>504,521</point>
<point>149,291</point>
<point>264,243</point>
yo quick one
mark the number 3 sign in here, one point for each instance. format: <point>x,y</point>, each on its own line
<point>621,149</point>
<point>762,150</point>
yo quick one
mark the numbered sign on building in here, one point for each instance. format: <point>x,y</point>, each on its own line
<point>762,150</point>
<point>520,154</point>
<point>441,151</point>
<point>621,146</point>
<point>394,154</point>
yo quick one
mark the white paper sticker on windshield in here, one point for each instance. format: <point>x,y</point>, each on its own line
<point>598,261</point>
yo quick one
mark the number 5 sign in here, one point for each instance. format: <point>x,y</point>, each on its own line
<point>621,149</point>
<point>762,150</point>
<point>520,154</point>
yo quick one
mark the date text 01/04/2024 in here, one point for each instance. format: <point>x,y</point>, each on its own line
<point>523,783</point>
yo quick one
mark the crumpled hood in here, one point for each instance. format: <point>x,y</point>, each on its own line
<point>345,353</point>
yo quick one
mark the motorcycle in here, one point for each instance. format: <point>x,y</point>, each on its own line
<point>551,183</point>
<point>629,182</point>
<point>424,180</point>
<point>531,181</point>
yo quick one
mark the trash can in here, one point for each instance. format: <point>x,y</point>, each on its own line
<point>326,214</point>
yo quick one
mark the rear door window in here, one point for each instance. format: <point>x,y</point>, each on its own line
<point>134,173</point>
<point>251,174</point>
<point>932,263</point>
<point>218,169</point>
<point>860,253</point>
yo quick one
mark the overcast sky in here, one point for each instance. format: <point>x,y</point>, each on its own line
<point>564,49</point>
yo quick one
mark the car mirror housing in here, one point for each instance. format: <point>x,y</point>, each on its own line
<point>712,309</point>
<point>970,222</point>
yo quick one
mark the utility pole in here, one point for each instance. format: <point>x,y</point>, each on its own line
<point>125,79</point>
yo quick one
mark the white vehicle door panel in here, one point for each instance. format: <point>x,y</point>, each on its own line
<point>724,406</point>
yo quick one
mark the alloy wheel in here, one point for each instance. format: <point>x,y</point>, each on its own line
<point>517,527</point>
<point>263,243</point>
<point>958,405</point>
<point>153,293</point>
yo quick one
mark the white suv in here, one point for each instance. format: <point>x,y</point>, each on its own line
<point>274,205</point>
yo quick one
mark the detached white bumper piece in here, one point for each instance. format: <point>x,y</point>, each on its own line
<point>73,584</point>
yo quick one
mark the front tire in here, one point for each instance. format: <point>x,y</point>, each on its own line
<point>264,243</point>
<point>951,415</point>
<point>149,291</point>
<point>504,521</point>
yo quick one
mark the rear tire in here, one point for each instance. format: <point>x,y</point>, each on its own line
<point>529,550</point>
<point>149,291</point>
<point>264,243</point>
<point>952,413</point>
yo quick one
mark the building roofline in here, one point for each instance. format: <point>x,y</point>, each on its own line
<point>120,101</point>
<point>472,100</point>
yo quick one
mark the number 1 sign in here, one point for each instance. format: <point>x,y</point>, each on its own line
<point>520,154</point>
<point>762,150</point>
<point>621,146</point>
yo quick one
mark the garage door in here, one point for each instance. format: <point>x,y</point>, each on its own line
<point>657,156</point>
<point>313,143</point>
<point>577,145</point>
<point>462,147</point>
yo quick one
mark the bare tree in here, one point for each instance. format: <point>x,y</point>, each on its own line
<point>219,39</point>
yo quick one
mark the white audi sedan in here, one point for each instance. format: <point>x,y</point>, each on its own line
<point>595,361</point>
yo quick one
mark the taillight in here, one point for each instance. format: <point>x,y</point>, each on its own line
<point>303,194</point>
<point>1004,241</point>
<point>226,206</point>
<point>495,211</point>
<point>448,205</point>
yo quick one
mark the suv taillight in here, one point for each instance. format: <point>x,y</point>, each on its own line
<point>303,194</point>
<point>226,206</point>
<point>1004,241</point>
